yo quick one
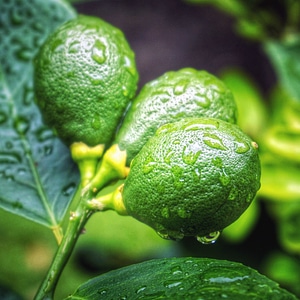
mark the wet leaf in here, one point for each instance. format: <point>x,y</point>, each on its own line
<point>182,278</point>
<point>37,177</point>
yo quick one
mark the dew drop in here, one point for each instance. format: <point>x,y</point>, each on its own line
<point>74,47</point>
<point>10,158</point>
<point>69,189</point>
<point>183,213</point>
<point>48,149</point>
<point>24,54</point>
<point>21,125</point>
<point>96,122</point>
<point>241,147</point>
<point>176,270</point>
<point>57,46</point>
<point>147,168</point>
<point>141,289</point>
<point>125,91</point>
<point>249,198</point>
<point>217,161</point>
<point>202,100</point>
<point>129,65</point>
<point>98,52</point>
<point>168,156</point>
<point>205,124</point>
<point>165,212</point>
<point>15,17</point>
<point>233,194</point>
<point>28,96</point>
<point>213,141</point>
<point>172,283</point>
<point>190,158</point>
<point>43,134</point>
<point>3,117</point>
<point>224,179</point>
<point>102,291</point>
<point>209,239</point>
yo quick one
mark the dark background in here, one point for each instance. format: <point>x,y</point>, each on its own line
<point>171,34</point>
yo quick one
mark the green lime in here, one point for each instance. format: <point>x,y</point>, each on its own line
<point>193,177</point>
<point>85,76</point>
<point>171,97</point>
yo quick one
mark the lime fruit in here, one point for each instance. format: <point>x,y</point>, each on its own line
<point>85,76</point>
<point>171,97</point>
<point>193,178</point>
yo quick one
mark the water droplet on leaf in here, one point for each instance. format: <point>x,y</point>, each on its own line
<point>21,125</point>
<point>208,239</point>
<point>69,189</point>
<point>3,117</point>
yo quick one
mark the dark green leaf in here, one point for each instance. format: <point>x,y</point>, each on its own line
<point>182,278</point>
<point>37,177</point>
<point>285,57</point>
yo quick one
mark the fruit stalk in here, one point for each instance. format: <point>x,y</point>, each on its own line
<point>77,221</point>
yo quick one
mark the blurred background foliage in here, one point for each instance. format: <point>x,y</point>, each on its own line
<point>254,47</point>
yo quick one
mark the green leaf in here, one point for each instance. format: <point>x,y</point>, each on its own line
<point>182,278</point>
<point>37,177</point>
<point>285,57</point>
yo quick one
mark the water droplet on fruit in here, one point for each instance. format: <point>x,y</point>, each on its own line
<point>21,125</point>
<point>209,239</point>
<point>147,168</point>
<point>224,179</point>
<point>183,213</point>
<point>205,124</point>
<point>180,87</point>
<point>74,47</point>
<point>168,156</point>
<point>125,91</point>
<point>213,141</point>
<point>202,100</point>
<point>96,122</point>
<point>129,65</point>
<point>249,198</point>
<point>217,161</point>
<point>69,189</point>
<point>165,212</point>
<point>233,194</point>
<point>191,157</point>
<point>98,52</point>
<point>56,46</point>
<point>3,117</point>
<point>241,147</point>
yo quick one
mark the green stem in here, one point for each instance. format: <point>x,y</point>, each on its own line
<point>76,224</point>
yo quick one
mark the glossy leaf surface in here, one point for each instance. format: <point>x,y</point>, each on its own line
<point>37,177</point>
